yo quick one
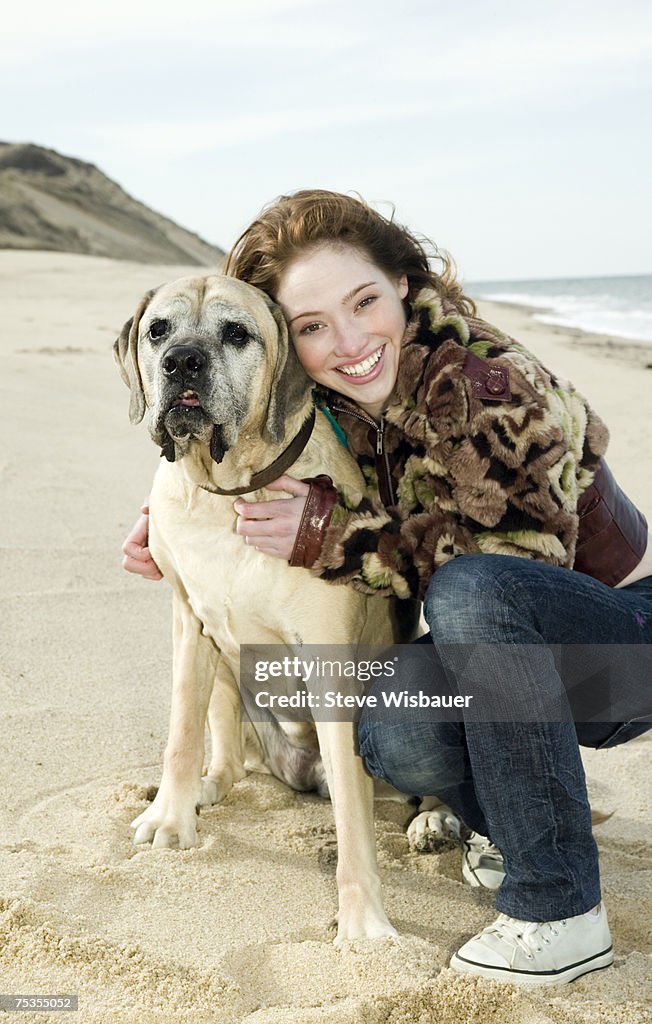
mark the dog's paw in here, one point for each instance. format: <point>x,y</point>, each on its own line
<point>214,790</point>
<point>435,830</point>
<point>353,927</point>
<point>361,914</point>
<point>167,823</point>
<point>381,931</point>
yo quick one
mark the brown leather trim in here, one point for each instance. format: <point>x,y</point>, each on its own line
<point>613,533</point>
<point>317,511</point>
<point>489,381</point>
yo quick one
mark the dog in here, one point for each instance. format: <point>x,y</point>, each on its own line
<point>209,364</point>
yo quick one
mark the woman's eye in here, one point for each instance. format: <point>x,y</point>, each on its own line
<point>310,329</point>
<point>158,329</point>
<point>368,299</point>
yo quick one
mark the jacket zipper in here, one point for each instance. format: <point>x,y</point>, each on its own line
<point>385,487</point>
<point>380,437</point>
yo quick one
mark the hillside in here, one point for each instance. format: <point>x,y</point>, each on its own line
<point>50,201</point>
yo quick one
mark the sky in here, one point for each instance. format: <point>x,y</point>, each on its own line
<point>513,134</point>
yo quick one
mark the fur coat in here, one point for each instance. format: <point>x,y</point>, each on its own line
<point>470,471</point>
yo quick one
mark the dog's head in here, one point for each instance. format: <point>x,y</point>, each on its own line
<point>205,356</point>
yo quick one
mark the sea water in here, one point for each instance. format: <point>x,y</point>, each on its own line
<point>617,306</point>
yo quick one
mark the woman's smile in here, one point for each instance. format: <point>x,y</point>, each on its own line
<point>364,368</point>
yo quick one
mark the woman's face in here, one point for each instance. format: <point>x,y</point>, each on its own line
<point>346,319</point>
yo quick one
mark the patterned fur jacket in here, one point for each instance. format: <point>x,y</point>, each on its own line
<point>482,450</point>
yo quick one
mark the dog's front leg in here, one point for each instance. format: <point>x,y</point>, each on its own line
<point>172,817</point>
<point>361,913</point>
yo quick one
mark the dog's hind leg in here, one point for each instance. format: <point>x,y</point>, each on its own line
<point>227,762</point>
<point>298,764</point>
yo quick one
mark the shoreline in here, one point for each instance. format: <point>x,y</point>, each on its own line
<point>612,346</point>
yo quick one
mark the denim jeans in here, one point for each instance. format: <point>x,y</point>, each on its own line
<point>522,782</point>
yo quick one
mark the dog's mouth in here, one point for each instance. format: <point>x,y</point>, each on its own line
<point>186,416</point>
<point>188,400</point>
<point>185,407</point>
<point>185,420</point>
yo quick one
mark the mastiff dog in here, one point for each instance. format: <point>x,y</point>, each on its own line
<point>209,364</point>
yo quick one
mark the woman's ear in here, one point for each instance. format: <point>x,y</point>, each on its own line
<point>403,286</point>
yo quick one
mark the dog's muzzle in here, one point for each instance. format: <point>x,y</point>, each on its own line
<point>185,371</point>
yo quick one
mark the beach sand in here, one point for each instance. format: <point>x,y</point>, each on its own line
<point>237,930</point>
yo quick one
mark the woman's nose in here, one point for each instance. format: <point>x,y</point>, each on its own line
<point>350,341</point>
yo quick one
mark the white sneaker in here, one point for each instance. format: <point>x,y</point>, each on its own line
<point>482,862</point>
<point>529,953</point>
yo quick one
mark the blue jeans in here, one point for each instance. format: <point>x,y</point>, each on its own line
<point>521,782</point>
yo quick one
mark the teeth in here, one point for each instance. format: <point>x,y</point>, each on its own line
<point>359,369</point>
<point>187,399</point>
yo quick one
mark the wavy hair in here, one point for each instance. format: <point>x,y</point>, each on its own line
<point>292,224</point>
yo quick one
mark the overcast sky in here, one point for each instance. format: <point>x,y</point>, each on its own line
<point>515,134</point>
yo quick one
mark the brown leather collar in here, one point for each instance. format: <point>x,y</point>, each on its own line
<point>277,468</point>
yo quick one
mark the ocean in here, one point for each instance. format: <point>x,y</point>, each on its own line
<point>617,306</point>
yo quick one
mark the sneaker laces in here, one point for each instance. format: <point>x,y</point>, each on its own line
<point>527,936</point>
<point>485,846</point>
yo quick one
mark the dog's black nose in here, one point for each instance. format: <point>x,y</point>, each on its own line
<point>183,363</point>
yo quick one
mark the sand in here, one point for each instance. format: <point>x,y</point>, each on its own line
<point>238,929</point>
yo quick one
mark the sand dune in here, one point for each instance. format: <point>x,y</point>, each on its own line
<point>238,930</point>
<point>51,201</point>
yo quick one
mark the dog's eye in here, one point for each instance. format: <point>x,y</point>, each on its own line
<point>235,334</point>
<point>158,329</point>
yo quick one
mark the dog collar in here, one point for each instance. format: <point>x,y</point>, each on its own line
<point>277,468</point>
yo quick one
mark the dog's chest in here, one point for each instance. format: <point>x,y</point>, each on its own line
<point>225,579</point>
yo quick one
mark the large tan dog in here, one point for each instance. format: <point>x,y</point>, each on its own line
<point>209,363</point>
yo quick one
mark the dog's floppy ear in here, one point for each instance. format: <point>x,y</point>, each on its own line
<point>125,353</point>
<point>290,384</point>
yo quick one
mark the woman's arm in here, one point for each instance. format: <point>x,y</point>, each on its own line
<point>137,557</point>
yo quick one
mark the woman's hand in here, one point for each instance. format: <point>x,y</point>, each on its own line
<point>137,555</point>
<point>272,526</point>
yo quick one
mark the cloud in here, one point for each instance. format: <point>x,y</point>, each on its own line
<point>535,55</point>
<point>190,27</point>
<point>172,138</point>
<point>71,17</point>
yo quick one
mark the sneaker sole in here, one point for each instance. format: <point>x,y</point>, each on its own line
<point>534,978</point>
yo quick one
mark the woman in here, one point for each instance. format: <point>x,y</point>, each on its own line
<point>470,447</point>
